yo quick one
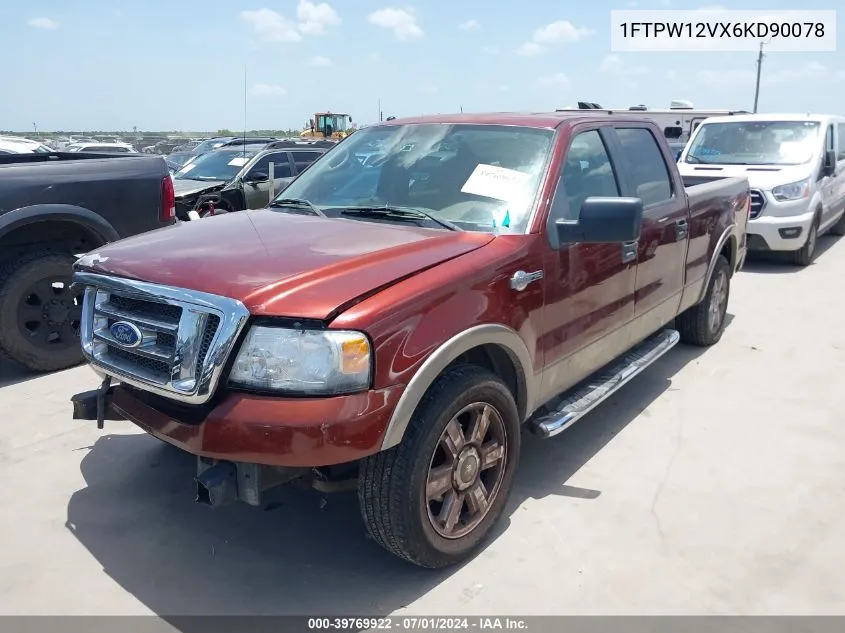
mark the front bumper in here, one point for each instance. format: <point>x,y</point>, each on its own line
<point>296,432</point>
<point>787,233</point>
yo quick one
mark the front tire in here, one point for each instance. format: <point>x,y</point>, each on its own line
<point>703,324</point>
<point>433,499</point>
<point>39,313</point>
<point>804,256</point>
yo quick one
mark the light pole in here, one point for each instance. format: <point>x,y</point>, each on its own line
<point>760,57</point>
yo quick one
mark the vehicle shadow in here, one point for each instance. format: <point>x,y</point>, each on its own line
<point>11,373</point>
<point>772,262</point>
<point>310,553</point>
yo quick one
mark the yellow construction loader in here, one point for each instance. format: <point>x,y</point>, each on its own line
<point>328,125</point>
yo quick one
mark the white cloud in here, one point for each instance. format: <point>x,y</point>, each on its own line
<point>613,64</point>
<point>271,26</point>
<point>716,77</point>
<point>557,79</point>
<point>268,90</point>
<point>560,31</point>
<point>402,22</point>
<point>319,60</point>
<point>315,18</point>
<point>471,25</point>
<point>529,49</point>
<point>610,63</point>
<point>43,23</point>
<point>810,70</point>
<point>671,75</point>
<point>374,57</point>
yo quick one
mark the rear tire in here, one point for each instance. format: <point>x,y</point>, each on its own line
<point>39,315</point>
<point>804,256</point>
<point>704,323</point>
<point>433,499</point>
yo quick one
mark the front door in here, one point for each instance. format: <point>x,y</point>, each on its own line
<point>662,247</point>
<point>257,193</point>
<point>831,185</point>
<point>590,287</point>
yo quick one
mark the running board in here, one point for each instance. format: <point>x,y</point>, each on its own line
<point>566,410</point>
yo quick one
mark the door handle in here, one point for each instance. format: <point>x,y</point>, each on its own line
<point>681,229</point>
<point>629,251</point>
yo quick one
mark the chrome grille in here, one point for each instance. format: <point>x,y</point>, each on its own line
<point>758,201</point>
<point>180,338</point>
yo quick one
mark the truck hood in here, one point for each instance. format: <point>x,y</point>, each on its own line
<point>759,176</point>
<point>280,263</point>
<point>183,187</point>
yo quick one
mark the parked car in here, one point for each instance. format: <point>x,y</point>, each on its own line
<point>795,164</point>
<point>54,207</point>
<point>20,145</point>
<point>391,325</point>
<point>101,148</point>
<point>234,178</point>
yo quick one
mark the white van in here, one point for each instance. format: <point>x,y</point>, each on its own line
<point>795,164</point>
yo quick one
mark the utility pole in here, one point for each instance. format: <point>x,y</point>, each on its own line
<point>759,69</point>
<point>35,128</point>
<point>380,113</point>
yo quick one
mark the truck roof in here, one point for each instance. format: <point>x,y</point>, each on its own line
<point>549,120</point>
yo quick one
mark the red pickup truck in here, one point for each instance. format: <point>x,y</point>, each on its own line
<point>419,294</point>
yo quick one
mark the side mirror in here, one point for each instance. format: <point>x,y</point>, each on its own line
<point>258,176</point>
<point>829,167</point>
<point>603,220</point>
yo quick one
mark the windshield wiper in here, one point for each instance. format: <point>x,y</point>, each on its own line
<point>692,158</point>
<point>296,203</point>
<point>404,213</point>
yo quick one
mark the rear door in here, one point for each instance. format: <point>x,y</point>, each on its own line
<point>662,247</point>
<point>831,186</point>
<point>257,193</point>
<point>302,159</point>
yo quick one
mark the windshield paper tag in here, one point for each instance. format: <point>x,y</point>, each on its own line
<point>495,182</point>
<point>239,161</point>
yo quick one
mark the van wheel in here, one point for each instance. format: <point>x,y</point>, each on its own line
<point>703,324</point>
<point>39,313</point>
<point>804,256</point>
<point>433,499</point>
<point>839,227</point>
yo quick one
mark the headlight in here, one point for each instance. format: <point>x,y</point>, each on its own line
<point>792,191</point>
<point>319,362</point>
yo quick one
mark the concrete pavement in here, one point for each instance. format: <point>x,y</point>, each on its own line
<point>712,484</point>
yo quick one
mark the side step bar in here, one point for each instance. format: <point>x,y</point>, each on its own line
<point>567,409</point>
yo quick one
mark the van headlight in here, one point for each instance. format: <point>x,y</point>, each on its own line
<point>792,191</point>
<point>314,362</point>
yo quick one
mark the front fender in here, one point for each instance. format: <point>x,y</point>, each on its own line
<point>443,356</point>
<point>61,213</point>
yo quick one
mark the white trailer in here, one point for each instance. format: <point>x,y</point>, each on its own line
<point>677,123</point>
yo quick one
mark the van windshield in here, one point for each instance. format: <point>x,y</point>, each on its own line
<point>755,143</point>
<point>478,177</point>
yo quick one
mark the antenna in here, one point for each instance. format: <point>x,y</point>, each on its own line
<point>245,92</point>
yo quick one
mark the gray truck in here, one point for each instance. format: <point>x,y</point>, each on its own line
<point>54,207</point>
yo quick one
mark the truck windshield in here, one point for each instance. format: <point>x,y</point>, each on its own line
<point>217,165</point>
<point>478,177</point>
<point>755,143</point>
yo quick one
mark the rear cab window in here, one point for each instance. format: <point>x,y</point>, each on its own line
<point>645,165</point>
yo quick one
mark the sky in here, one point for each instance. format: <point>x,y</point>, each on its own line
<point>195,65</point>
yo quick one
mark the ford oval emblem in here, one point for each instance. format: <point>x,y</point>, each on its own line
<point>126,334</point>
